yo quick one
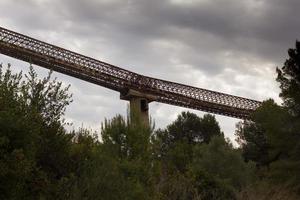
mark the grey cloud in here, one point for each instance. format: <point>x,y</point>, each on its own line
<point>263,29</point>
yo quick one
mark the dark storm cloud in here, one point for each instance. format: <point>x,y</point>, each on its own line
<point>264,29</point>
<point>204,29</point>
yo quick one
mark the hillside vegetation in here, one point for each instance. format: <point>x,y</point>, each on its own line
<point>189,159</point>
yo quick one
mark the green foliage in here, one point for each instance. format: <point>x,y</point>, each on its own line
<point>271,138</point>
<point>264,190</point>
<point>40,160</point>
<point>220,169</point>
<point>267,137</point>
<point>193,129</point>
<point>129,146</point>
<point>177,185</point>
<point>289,79</point>
<point>197,162</point>
<point>272,141</point>
<point>33,144</point>
<point>190,159</point>
<point>252,140</point>
<point>175,143</point>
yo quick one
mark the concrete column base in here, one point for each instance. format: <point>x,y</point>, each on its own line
<point>139,108</point>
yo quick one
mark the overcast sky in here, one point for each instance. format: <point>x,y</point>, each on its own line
<point>230,46</point>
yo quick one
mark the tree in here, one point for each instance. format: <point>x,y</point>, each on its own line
<point>272,136</point>
<point>272,140</point>
<point>289,79</point>
<point>128,144</point>
<point>218,170</point>
<point>265,138</point>
<point>174,148</point>
<point>193,129</point>
<point>18,134</point>
<point>34,146</point>
<point>176,142</point>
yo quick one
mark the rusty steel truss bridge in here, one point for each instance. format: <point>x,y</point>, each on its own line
<point>136,88</point>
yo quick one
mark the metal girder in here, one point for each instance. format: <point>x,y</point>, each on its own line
<point>52,57</point>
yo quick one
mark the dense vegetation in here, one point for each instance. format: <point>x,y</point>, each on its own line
<point>189,159</point>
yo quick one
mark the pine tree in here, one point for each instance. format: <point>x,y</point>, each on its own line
<point>289,79</point>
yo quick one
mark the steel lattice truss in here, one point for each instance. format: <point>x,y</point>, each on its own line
<point>67,62</point>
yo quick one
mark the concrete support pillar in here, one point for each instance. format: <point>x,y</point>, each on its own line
<point>139,108</point>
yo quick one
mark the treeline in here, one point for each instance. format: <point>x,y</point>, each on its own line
<point>189,159</point>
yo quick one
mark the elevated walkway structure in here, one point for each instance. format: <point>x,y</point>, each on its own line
<point>138,89</point>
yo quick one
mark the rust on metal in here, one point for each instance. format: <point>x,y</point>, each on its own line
<point>52,57</point>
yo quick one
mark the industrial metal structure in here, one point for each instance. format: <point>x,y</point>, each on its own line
<point>138,89</point>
